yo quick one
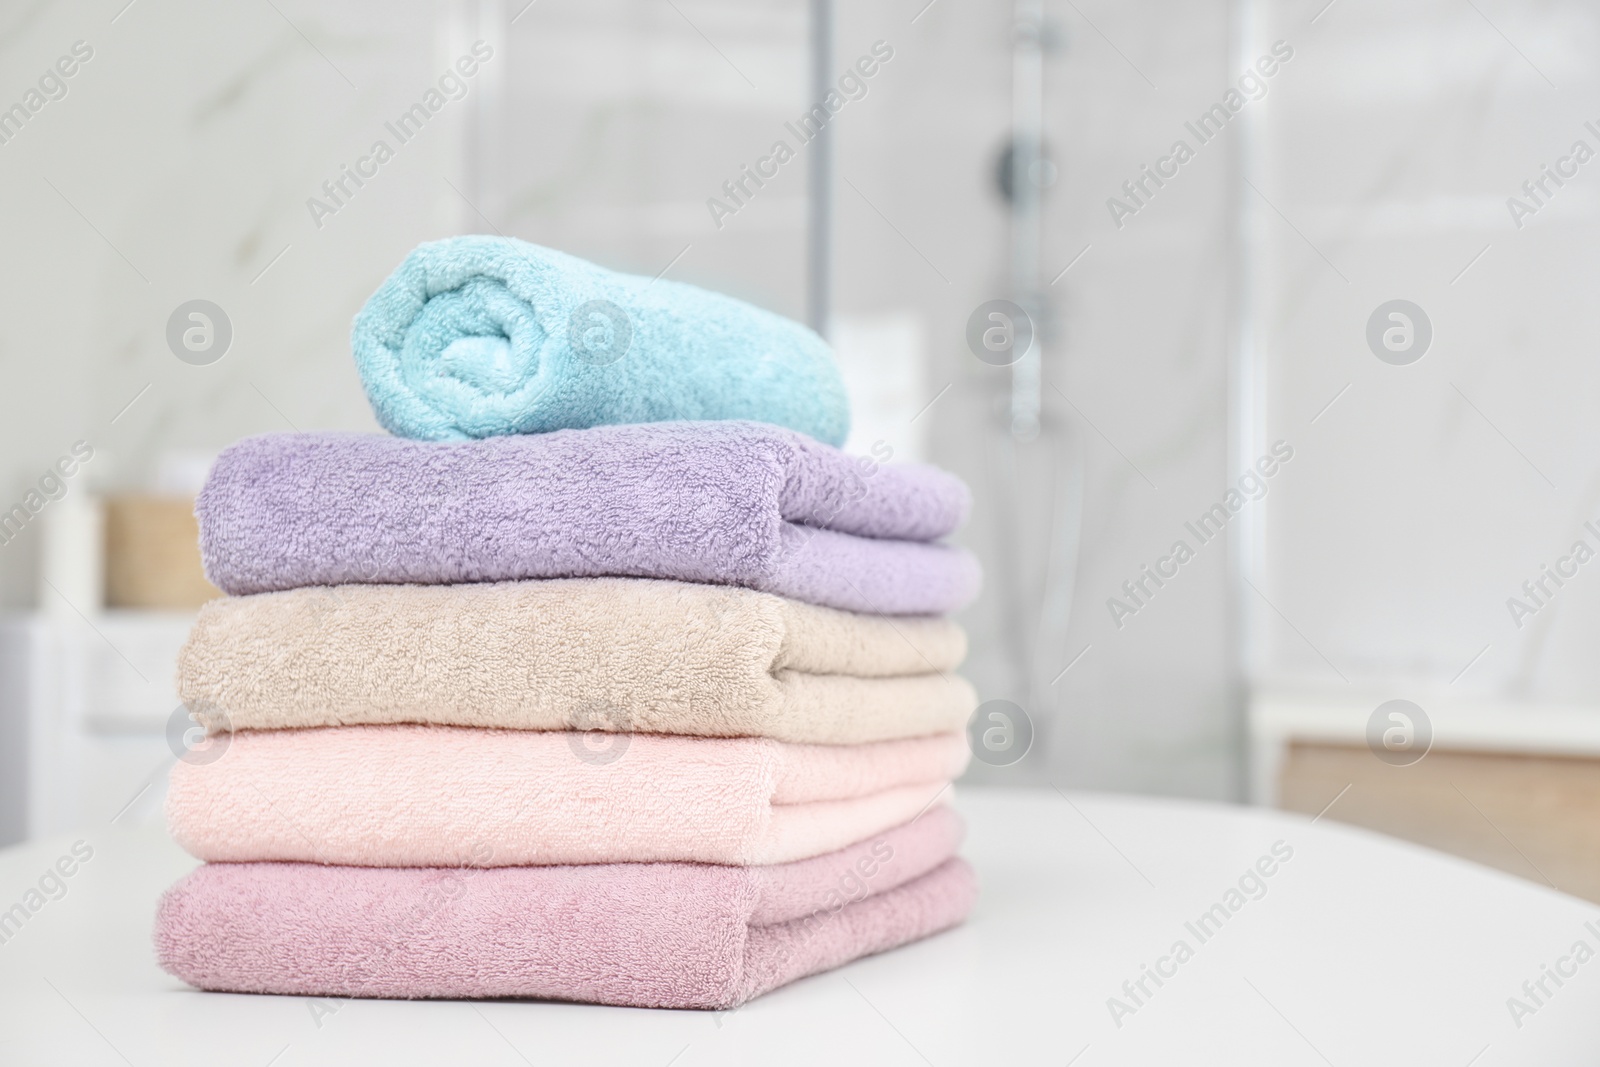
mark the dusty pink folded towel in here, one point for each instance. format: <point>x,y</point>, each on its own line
<point>668,935</point>
<point>438,796</point>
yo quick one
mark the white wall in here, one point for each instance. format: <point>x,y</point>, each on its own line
<point>183,154</point>
<point>1423,499</point>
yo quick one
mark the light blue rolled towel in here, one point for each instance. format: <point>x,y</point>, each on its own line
<point>482,336</point>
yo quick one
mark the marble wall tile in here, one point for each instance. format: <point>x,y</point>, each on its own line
<point>1423,499</point>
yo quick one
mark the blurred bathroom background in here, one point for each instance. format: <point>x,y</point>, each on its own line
<point>1184,327</point>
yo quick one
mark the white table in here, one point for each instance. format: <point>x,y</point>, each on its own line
<point>1361,951</point>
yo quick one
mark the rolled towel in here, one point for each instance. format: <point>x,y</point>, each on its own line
<point>728,503</point>
<point>614,654</point>
<point>656,935</point>
<point>482,336</point>
<point>429,796</point>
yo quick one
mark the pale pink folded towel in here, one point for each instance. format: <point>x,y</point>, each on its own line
<point>669,935</point>
<point>438,796</point>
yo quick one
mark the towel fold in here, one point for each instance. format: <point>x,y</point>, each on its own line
<point>479,336</point>
<point>660,935</point>
<point>428,796</point>
<point>727,503</point>
<point>582,653</point>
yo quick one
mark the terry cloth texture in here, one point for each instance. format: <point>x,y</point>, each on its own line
<point>481,336</point>
<point>579,653</point>
<point>727,503</point>
<point>433,796</point>
<point>660,935</point>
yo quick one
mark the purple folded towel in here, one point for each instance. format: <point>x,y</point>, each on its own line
<point>729,503</point>
<point>668,935</point>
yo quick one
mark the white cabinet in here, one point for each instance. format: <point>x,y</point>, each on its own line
<point>84,712</point>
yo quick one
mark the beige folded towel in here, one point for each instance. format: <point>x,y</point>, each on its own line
<point>614,654</point>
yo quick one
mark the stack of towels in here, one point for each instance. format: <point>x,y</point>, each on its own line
<point>609,678</point>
